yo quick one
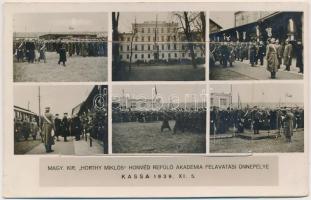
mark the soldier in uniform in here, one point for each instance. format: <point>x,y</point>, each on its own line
<point>299,56</point>
<point>255,120</point>
<point>165,123</point>
<point>57,123</point>
<point>76,127</point>
<point>252,53</point>
<point>65,126</point>
<point>62,55</point>
<point>34,129</point>
<point>261,53</point>
<point>272,58</point>
<point>47,127</point>
<point>287,55</point>
<point>288,125</point>
<point>225,53</point>
<point>280,50</point>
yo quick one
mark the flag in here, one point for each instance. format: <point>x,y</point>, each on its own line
<point>155,90</point>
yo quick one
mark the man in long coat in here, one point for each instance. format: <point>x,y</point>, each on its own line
<point>62,55</point>
<point>287,55</point>
<point>288,125</point>
<point>47,127</point>
<point>272,58</point>
<point>65,127</point>
<point>57,123</point>
<point>76,127</point>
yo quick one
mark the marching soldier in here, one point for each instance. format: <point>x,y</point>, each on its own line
<point>62,55</point>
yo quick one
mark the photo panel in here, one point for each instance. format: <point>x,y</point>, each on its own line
<point>158,46</point>
<point>257,118</point>
<point>60,47</point>
<point>167,119</point>
<point>256,45</point>
<point>61,119</point>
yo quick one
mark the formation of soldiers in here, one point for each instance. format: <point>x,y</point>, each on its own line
<point>32,50</point>
<point>226,53</point>
<point>255,119</point>
<point>24,128</point>
<point>185,120</point>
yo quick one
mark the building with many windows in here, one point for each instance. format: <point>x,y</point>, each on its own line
<point>158,41</point>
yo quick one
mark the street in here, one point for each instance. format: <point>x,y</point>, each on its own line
<point>78,69</point>
<point>269,145</point>
<point>244,71</point>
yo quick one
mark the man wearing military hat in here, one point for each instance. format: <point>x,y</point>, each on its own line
<point>47,128</point>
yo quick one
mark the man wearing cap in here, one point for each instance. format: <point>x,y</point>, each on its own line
<point>288,125</point>
<point>287,55</point>
<point>272,58</point>
<point>47,127</point>
<point>65,127</point>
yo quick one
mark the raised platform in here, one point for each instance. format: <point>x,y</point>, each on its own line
<point>263,134</point>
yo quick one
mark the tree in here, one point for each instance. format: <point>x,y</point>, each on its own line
<point>187,22</point>
<point>133,34</point>
<point>115,46</point>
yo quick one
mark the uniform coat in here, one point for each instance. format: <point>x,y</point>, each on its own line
<point>272,58</point>
<point>288,54</point>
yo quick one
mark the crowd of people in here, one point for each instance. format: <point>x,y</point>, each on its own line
<point>93,125</point>
<point>185,120</point>
<point>32,50</point>
<point>283,120</point>
<point>275,52</point>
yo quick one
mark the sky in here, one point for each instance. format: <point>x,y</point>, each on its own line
<point>127,19</point>
<point>263,92</point>
<point>60,22</point>
<point>61,98</point>
<point>168,92</point>
<point>224,19</point>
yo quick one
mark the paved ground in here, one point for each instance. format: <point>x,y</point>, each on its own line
<point>166,73</point>
<point>134,137</point>
<point>72,147</point>
<point>244,71</point>
<point>77,69</point>
<point>238,145</point>
<point>23,147</point>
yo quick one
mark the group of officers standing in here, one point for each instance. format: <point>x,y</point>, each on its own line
<point>32,50</point>
<point>275,52</point>
<point>77,126</point>
<point>281,119</point>
<point>185,120</point>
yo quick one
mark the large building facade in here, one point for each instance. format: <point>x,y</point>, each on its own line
<point>157,41</point>
<point>221,100</point>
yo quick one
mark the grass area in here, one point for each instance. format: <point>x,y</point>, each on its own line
<point>134,137</point>
<point>220,73</point>
<point>23,147</point>
<point>238,145</point>
<point>165,73</point>
<point>77,69</point>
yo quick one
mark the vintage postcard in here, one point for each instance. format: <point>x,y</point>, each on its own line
<point>149,99</point>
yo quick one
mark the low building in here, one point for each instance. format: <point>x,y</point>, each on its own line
<point>214,27</point>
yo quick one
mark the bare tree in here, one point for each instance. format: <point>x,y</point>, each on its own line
<point>115,50</point>
<point>133,35</point>
<point>187,21</point>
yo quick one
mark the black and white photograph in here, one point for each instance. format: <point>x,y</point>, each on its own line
<point>63,119</point>
<point>257,118</point>
<point>159,118</point>
<point>158,46</point>
<point>256,45</point>
<point>60,47</point>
